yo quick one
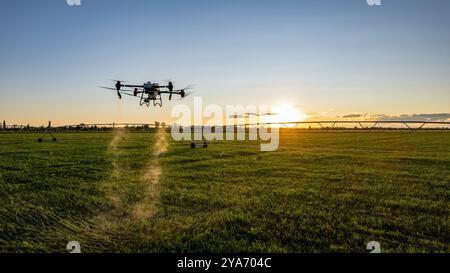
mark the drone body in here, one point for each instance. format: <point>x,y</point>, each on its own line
<point>148,92</point>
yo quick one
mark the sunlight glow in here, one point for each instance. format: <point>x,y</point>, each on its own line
<point>285,113</point>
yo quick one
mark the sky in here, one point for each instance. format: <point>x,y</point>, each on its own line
<point>325,58</point>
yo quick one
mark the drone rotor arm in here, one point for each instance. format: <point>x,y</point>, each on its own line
<point>109,88</point>
<point>121,92</point>
<point>132,86</point>
<point>114,89</point>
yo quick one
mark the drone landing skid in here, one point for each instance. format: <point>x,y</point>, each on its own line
<point>156,101</point>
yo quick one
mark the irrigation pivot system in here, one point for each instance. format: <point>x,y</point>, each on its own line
<point>368,124</point>
<point>319,124</point>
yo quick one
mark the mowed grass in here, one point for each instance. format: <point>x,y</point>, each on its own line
<point>320,192</point>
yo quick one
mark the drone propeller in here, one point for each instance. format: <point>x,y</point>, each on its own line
<point>185,94</point>
<point>183,91</point>
<point>104,87</point>
<point>114,89</point>
<point>189,87</point>
<point>169,81</point>
<point>118,80</point>
<point>119,93</point>
<point>119,84</point>
<point>170,86</point>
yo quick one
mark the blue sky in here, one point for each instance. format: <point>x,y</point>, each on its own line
<point>323,56</point>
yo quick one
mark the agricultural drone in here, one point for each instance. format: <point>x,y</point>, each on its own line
<point>149,92</point>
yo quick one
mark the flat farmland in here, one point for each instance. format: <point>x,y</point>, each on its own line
<point>126,191</point>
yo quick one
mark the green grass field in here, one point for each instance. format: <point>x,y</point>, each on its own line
<point>320,192</point>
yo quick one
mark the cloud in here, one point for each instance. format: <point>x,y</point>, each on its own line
<point>246,115</point>
<point>353,116</point>
<point>442,117</point>
<point>437,117</point>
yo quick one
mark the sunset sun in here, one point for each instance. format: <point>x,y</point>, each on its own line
<point>286,113</point>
